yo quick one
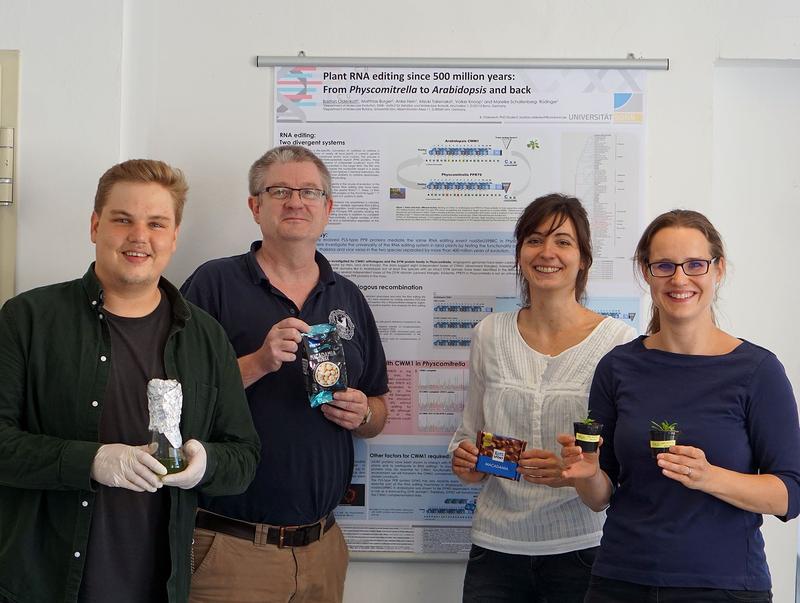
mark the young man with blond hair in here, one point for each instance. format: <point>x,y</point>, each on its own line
<point>84,514</point>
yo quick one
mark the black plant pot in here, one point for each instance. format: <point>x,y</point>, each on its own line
<point>587,435</point>
<point>661,440</point>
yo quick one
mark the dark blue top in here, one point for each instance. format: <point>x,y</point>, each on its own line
<point>307,460</point>
<point>740,410</point>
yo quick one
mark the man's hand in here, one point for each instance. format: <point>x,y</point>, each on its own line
<point>195,454</point>
<point>348,409</point>
<point>280,345</point>
<point>463,463</point>
<point>131,467</point>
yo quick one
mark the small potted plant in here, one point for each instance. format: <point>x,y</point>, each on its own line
<point>662,436</point>
<point>587,434</point>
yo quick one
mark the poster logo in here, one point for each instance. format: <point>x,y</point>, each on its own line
<point>628,108</point>
<point>295,89</point>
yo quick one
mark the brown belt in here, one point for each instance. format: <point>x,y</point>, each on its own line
<point>261,533</point>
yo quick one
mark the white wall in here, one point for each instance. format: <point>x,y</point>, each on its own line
<point>756,205</point>
<point>105,80</point>
<point>69,126</point>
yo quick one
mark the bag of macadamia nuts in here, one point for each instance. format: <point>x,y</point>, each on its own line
<point>323,364</point>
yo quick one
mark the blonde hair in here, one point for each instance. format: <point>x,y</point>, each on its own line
<point>144,171</point>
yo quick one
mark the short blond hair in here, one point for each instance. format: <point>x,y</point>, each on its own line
<point>144,171</point>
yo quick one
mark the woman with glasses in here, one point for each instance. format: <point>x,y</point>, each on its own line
<point>530,372</point>
<point>683,524</point>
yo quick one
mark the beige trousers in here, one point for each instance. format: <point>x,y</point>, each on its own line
<point>233,570</point>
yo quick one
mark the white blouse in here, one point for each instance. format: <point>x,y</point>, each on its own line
<point>518,392</point>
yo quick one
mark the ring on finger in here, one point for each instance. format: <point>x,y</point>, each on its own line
<point>688,472</point>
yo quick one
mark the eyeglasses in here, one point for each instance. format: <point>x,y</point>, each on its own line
<point>689,267</point>
<point>282,193</point>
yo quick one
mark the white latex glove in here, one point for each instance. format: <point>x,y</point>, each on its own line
<point>195,453</point>
<point>131,467</point>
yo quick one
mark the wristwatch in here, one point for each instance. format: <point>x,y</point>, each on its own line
<point>367,416</point>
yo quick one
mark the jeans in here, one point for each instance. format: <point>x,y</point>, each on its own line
<point>606,590</point>
<point>494,577</point>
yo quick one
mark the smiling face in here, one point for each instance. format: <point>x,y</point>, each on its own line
<point>549,258</point>
<point>292,219</point>
<point>681,299</point>
<point>135,236</point>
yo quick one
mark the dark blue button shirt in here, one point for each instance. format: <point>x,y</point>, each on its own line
<point>307,461</point>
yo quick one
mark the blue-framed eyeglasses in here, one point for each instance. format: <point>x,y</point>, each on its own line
<point>689,267</point>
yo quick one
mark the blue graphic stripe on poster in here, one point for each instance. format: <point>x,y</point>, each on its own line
<point>296,89</point>
<point>464,151</point>
<point>625,309</point>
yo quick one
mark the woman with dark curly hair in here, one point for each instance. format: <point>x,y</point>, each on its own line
<point>530,372</point>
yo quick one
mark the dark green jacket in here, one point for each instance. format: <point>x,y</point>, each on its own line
<point>55,353</point>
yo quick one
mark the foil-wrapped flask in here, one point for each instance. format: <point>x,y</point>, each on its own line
<point>164,401</point>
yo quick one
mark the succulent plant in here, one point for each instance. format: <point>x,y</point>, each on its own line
<point>664,426</point>
<point>588,420</point>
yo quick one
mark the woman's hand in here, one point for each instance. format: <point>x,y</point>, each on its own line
<point>577,463</point>
<point>463,462</point>
<point>539,466</point>
<point>687,465</point>
<point>757,493</point>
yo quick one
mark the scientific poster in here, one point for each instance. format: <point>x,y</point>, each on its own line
<point>431,168</point>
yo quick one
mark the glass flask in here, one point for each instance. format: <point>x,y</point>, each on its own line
<point>165,453</point>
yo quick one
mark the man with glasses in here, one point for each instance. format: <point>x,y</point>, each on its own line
<point>279,540</point>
